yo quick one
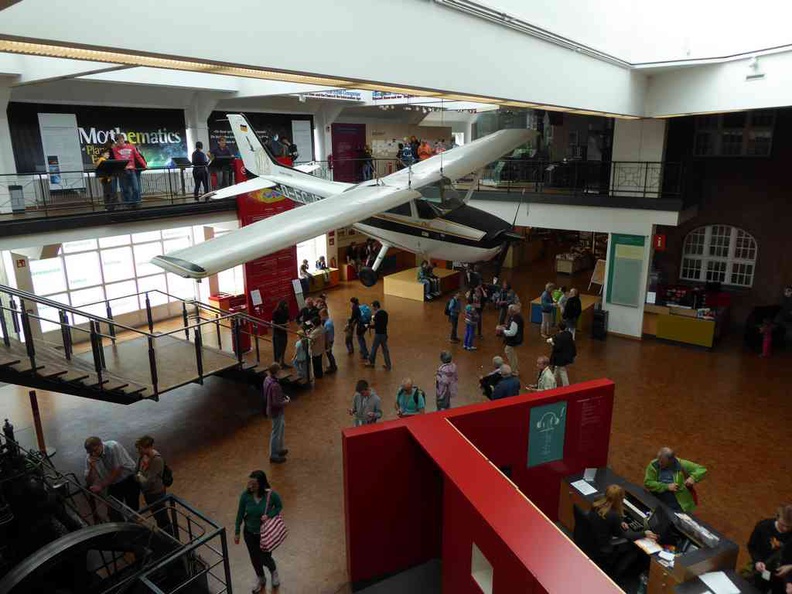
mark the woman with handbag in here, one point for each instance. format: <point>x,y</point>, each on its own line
<point>258,501</point>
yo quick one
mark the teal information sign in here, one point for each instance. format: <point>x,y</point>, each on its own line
<point>546,436</point>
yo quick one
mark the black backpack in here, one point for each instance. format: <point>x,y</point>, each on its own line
<point>416,396</point>
<point>167,475</point>
<point>448,306</point>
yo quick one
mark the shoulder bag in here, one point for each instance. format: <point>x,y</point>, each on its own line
<point>273,530</point>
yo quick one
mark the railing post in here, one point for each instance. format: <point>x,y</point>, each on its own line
<point>236,338</point>
<point>185,320</point>
<point>28,335</point>
<point>217,328</point>
<point>149,319</point>
<point>646,178</point>
<point>97,359</point>
<point>170,184</point>
<point>65,334</point>
<point>111,326</point>
<point>153,366</point>
<point>199,353</point>
<point>14,319</point>
<point>256,338</point>
<point>4,326</point>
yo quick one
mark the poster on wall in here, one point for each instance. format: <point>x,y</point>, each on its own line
<point>546,434</point>
<point>267,126</point>
<point>159,134</point>
<point>61,147</point>
<point>624,273</point>
<point>302,136</point>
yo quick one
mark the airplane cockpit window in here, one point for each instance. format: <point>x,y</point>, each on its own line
<point>427,210</point>
<point>402,210</point>
<point>443,195</point>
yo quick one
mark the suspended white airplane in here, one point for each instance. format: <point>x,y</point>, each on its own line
<point>390,209</point>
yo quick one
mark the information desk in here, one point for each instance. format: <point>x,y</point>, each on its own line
<point>696,586</point>
<point>681,325</point>
<point>701,558</point>
<point>323,279</point>
<point>587,303</point>
<point>405,283</point>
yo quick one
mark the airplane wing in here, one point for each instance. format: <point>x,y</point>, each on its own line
<point>460,161</point>
<point>283,230</point>
<point>251,185</point>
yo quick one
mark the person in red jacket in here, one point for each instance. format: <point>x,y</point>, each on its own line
<point>130,182</point>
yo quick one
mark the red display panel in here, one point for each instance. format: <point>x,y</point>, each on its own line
<point>272,275</point>
<point>448,459</point>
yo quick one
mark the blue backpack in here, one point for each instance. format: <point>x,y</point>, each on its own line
<point>365,314</point>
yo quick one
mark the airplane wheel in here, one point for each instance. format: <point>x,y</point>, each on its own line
<point>368,276</point>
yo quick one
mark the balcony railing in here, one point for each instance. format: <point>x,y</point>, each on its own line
<point>35,195</point>
<point>644,179</point>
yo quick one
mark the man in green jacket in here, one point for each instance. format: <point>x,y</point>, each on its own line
<point>671,480</point>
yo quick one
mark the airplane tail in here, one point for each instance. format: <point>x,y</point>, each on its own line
<point>255,157</point>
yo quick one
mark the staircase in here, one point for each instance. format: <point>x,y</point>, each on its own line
<point>101,359</point>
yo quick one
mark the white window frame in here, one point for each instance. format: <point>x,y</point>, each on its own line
<point>730,260</point>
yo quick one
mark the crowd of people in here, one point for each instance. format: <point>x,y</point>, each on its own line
<point>413,150</point>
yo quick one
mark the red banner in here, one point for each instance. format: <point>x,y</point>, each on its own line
<point>271,275</point>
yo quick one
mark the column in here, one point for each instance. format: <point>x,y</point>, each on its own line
<point>196,117</point>
<point>7,164</point>
<point>638,153</point>
<point>323,119</point>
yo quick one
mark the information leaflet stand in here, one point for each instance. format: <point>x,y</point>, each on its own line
<point>182,163</point>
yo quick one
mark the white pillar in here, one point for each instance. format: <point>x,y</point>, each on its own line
<point>638,152</point>
<point>195,116</point>
<point>323,119</point>
<point>7,163</point>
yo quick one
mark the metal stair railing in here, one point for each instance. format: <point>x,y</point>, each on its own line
<point>202,316</point>
<point>237,322</point>
<point>20,325</point>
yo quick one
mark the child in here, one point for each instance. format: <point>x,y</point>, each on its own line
<point>300,360</point>
<point>767,338</point>
<point>471,321</point>
<point>348,333</point>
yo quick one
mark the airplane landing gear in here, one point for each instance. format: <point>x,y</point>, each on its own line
<point>368,276</point>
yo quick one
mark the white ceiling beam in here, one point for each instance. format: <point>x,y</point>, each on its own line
<point>39,69</point>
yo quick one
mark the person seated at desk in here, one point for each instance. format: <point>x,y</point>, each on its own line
<point>613,535</point>
<point>770,547</point>
<point>321,263</point>
<point>671,480</point>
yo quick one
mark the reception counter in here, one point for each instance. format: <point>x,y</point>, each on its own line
<point>682,325</point>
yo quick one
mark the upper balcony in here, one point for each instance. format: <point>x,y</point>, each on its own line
<point>41,201</point>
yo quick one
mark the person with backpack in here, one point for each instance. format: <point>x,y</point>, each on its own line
<point>453,308</point>
<point>512,333</point>
<point>380,323</point>
<point>153,476</point>
<point>471,321</point>
<point>366,405</point>
<point>275,401</point>
<point>256,501</point>
<point>446,380</point>
<point>358,325</point>
<point>410,399</point>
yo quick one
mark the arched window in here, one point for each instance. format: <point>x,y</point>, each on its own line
<point>719,254</point>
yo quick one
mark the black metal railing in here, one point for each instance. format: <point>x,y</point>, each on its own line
<point>202,324</point>
<point>644,179</point>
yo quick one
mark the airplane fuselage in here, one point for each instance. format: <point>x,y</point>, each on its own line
<point>465,234</point>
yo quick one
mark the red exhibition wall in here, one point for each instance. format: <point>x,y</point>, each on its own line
<point>500,432</point>
<point>393,496</point>
<point>447,462</point>
<point>272,275</point>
